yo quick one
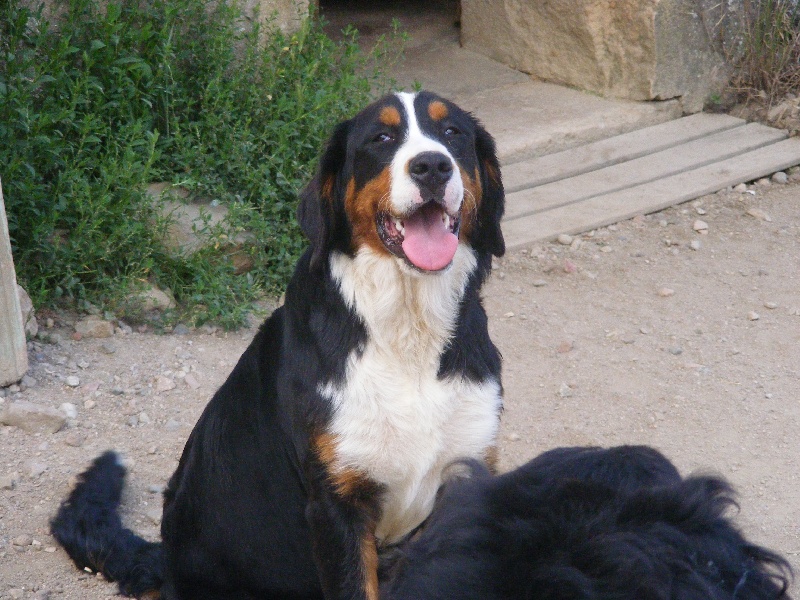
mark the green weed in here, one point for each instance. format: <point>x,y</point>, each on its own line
<point>120,93</point>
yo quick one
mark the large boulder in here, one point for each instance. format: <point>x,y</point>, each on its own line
<point>631,49</point>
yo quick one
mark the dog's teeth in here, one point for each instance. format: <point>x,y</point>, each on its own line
<point>398,224</point>
<point>446,220</point>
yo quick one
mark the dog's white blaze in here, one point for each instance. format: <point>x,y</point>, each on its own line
<point>404,193</point>
<point>393,418</point>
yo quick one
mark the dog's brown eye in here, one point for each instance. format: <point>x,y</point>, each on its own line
<point>383,137</point>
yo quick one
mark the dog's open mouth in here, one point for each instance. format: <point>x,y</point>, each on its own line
<point>427,238</point>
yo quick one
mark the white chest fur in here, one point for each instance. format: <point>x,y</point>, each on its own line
<point>394,419</point>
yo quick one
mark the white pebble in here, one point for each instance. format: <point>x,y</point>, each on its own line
<point>753,316</point>
<point>565,239</point>
<point>73,381</point>
<point>695,245</point>
<point>759,214</point>
<point>70,410</point>
<point>666,292</point>
<point>771,305</point>
<point>700,226</point>
<point>780,178</point>
<point>741,188</point>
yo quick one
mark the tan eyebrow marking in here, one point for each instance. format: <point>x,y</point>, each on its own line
<point>437,110</point>
<point>390,116</point>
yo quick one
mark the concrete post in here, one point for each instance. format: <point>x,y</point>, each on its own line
<point>13,350</point>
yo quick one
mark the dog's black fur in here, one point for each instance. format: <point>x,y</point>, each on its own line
<point>261,506</point>
<point>586,524</point>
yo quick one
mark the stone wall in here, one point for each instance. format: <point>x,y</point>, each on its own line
<point>632,49</point>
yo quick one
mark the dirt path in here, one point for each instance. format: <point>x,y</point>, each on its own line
<point>596,349</point>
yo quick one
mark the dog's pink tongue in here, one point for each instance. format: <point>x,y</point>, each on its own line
<point>427,243</point>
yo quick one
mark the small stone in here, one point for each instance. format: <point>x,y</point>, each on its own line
<point>570,267</point>
<point>28,381</point>
<point>42,594</point>
<point>108,348</point>
<point>666,292</point>
<point>144,418</point>
<point>191,381</point>
<point>695,244</point>
<point>22,540</point>
<point>154,515</point>
<point>89,404</point>
<point>132,421</point>
<point>700,226</point>
<point>764,182</point>
<point>72,381</point>
<point>117,391</point>
<point>163,384</point>
<point>70,410</point>
<point>30,417</point>
<point>155,488</point>
<point>759,214</point>
<point>94,327</point>
<point>50,549</point>
<point>700,210</point>
<point>741,188</point>
<point>153,299</point>
<point>780,178</point>
<point>35,468</point>
<point>794,311</point>
<point>676,350</point>
<point>753,316</point>
<point>771,305</point>
<point>565,391</point>
<point>508,315</point>
<point>181,329</point>
<point>14,388</point>
<point>513,437</point>
<point>539,283</point>
<point>565,346</point>
<point>565,239</point>
<point>9,481</point>
<point>16,593</point>
<point>152,450</point>
<point>172,425</point>
<point>74,439</point>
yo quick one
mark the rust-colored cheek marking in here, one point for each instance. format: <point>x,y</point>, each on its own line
<point>473,193</point>
<point>437,110</point>
<point>363,205</point>
<point>390,116</point>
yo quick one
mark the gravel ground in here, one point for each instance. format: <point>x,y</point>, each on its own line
<point>646,332</point>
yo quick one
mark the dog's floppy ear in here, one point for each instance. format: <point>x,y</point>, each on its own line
<point>488,235</point>
<point>318,213</point>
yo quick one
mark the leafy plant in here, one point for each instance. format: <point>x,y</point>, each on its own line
<point>116,94</point>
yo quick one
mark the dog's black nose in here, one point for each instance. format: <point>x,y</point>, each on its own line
<point>431,170</point>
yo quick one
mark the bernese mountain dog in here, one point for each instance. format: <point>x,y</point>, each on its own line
<point>329,439</point>
<point>585,524</point>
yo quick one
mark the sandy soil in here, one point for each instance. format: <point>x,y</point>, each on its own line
<point>596,352</point>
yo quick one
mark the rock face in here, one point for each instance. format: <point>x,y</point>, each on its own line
<point>631,49</point>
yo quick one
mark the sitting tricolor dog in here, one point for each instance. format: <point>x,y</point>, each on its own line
<point>329,439</point>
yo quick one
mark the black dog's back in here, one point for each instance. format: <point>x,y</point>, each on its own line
<point>587,523</point>
<point>89,528</point>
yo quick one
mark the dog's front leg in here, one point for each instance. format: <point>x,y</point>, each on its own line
<point>343,509</point>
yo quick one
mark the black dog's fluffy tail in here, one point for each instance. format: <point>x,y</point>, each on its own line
<point>89,528</point>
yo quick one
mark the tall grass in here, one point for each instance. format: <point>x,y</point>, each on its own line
<point>768,65</point>
<point>120,93</point>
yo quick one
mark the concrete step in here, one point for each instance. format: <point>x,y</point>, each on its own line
<point>652,196</point>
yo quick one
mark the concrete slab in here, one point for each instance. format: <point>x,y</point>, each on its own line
<point>527,118</point>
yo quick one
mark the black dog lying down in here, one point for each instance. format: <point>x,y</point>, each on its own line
<point>572,524</point>
<point>586,523</point>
